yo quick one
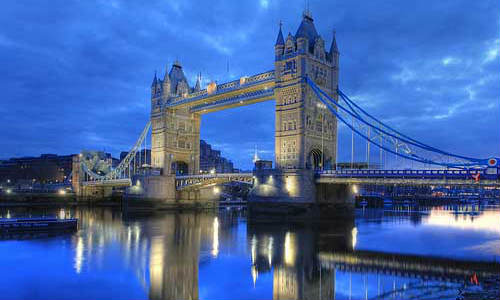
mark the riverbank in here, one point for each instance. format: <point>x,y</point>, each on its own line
<point>54,200</point>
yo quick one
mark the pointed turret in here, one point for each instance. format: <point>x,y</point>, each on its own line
<point>279,47</point>
<point>279,40</point>
<point>197,86</point>
<point>154,86</point>
<point>155,81</point>
<point>166,83</point>
<point>333,47</point>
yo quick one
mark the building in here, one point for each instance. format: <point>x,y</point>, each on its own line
<point>211,159</point>
<point>48,168</point>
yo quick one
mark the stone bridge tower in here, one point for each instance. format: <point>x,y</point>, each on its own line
<point>175,131</point>
<point>306,132</point>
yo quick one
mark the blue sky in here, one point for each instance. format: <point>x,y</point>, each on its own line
<point>76,74</point>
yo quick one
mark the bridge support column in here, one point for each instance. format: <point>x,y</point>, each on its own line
<point>295,193</point>
<point>159,192</point>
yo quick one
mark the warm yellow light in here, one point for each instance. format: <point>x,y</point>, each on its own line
<point>216,190</point>
<point>215,241</point>
<point>62,192</point>
<point>289,184</point>
<point>289,249</point>
<point>355,189</point>
<point>354,233</point>
<point>212,87</point>
<point>212,171</point>
<point>79,254</point>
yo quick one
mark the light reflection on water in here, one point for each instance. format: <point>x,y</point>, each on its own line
<point>392,254</point>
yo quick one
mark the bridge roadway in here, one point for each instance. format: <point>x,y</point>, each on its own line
<point>411,266</point>
<point>410,177</point>
<point>379,177</point>
<point>108,182</point>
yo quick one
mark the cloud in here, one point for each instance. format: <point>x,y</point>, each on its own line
<point>76,74</point>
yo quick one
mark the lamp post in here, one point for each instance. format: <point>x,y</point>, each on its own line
<point>321,106</point>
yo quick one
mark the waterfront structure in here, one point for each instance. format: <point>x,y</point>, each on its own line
<point>47,168</point>
<point>304,85</point>
<point>305,132</point>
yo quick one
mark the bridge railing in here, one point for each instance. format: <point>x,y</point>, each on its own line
<point>452,174</point>
<point>189,180</point>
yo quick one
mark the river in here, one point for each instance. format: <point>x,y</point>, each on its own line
<point>397,253</point>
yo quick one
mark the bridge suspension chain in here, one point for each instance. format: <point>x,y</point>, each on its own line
<point>412,149</point>
<point>125,165</point>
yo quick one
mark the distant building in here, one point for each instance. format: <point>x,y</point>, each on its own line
<point>263,164</point>
<point>48,168</point>
<point>211,159</point>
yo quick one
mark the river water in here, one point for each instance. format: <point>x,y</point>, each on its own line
<point>397,253</point>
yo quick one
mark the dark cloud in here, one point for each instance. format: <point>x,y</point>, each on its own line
<point>76,74</point>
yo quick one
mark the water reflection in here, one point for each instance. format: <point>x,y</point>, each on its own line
<point>290,252</point>
<point>193,255</point>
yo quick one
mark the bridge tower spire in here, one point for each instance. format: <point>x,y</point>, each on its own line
<point>305,130</point>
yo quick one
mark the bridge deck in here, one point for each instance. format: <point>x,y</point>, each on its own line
<point>245,91</point>
<point>409,177</point>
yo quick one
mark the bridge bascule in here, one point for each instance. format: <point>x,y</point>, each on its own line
<point>308,108</point>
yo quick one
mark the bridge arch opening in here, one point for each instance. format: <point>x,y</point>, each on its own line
<point>179,168</point>
<point>314,159</point>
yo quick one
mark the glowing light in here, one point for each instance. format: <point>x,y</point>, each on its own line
<point>354,233</point>
<point>8,180</point>
<point>215,241</point>
<point>243,80</point>
<point>62,192</point>
<point>79,255</point>
<point>255,275</point>
<point>212,171</point>
<point>62,214</point>
<point>355,189</point>
<point>289,249</point>
<point>211,88</point>
<point>485,221</point>
<point>156,262</point>
<point>270,251</point>
<point>289,184</point>
<point>9,191</point>
<point>216,190</point>
<point>253,244</point>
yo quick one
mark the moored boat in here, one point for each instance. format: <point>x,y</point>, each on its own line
<point>37,224</point>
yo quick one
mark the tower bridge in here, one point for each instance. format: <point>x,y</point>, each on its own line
<point>308,106</point>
